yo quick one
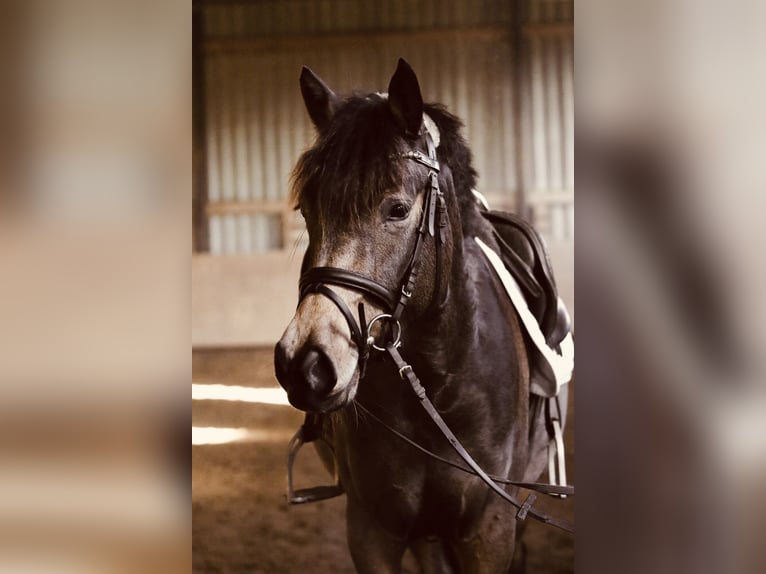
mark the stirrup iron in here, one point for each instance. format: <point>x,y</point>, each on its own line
<point>305,495</point>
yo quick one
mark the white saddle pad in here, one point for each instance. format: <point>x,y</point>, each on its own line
<point>556,366</point>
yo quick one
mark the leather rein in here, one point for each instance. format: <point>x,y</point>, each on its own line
<point>433,224</point>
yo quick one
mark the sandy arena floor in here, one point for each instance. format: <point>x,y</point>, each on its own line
<point>240,521</point>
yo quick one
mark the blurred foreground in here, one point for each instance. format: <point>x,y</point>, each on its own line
<point>671,134</point>
<point>94,297</point>
<point>94,257</point>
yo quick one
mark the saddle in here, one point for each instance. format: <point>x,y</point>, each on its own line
<point>524,268</point>
<point>524,255</point>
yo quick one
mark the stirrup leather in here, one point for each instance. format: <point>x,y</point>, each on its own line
<point>557,470</point>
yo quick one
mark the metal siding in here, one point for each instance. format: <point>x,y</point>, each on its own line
<point>540,176</point>
<point>553,124</point>
<point>550,135</point>
<point>212,127</point>
<point>297,17</point>
<point>550,11</point>
<point>567,61</point>
<point>257,126</point>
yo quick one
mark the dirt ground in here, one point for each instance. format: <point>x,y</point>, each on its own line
<point>240,521</point>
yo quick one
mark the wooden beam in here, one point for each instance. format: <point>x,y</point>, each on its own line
<point>201,4</point>
<point>549,29</point>
<point>552,197</point>
<point>344,39</point>
<point>245,207</point>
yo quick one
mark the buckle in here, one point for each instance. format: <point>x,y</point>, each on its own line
<point>526,505</point>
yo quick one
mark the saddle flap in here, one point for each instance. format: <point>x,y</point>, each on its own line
<point>525,256</point>
<point>518,265</point>
<point>522,263</point>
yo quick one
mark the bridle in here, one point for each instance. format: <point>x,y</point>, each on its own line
<point>433,223</point>
<point>393,301</point>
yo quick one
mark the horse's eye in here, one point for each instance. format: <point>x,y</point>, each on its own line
<point>398,212</point>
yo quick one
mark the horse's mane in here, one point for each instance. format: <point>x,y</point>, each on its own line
<point>453,150</point>
<point>356,159</point>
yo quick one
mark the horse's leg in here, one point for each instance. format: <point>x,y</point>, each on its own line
<point>490,549</point>
<point>373,549</point>
<point>519,564</point>
<point>432,556</point>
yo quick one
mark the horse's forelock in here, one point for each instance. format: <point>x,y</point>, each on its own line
<point>355,161</point>
<point>350,167</point>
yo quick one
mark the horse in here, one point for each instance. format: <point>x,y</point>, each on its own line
<point>393,228</point>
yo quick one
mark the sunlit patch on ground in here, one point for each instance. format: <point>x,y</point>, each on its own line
<point>223,435</point>
<point>215,392</point>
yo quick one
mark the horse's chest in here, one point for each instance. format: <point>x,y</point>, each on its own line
<point>407,492</point>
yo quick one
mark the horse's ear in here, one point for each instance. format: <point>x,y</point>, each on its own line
<point>321,101</point>
<point>405,100</point>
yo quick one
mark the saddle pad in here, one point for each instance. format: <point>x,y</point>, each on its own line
<point>554,368</point>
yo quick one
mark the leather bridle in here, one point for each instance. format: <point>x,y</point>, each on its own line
<point>394,302</point>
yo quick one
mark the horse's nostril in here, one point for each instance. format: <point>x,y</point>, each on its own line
<point>318,371</point>
<point>308,377</point>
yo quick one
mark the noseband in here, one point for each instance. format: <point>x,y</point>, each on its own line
<point>392,301</point>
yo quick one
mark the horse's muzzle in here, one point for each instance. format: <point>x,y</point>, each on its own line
<point>309,377</point>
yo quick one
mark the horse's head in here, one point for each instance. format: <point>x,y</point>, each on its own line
<point>366,206</point>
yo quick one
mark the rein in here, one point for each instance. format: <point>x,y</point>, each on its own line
<point>315,281</point>
<point>542,487</point>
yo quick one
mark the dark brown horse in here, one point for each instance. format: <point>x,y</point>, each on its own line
<point>366,193</point>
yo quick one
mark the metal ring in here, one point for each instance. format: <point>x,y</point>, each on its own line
<point>397,339</point>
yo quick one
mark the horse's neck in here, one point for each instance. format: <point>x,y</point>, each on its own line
<point>445,336</point>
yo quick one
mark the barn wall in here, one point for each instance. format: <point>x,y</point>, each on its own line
<point>242,299</point>
<point>256,126</point>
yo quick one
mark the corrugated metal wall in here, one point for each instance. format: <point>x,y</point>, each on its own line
<point>298,17</point>
<point>257,127</point>
<point>549,130</point>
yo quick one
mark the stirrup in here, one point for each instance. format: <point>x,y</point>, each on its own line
<point>305,495</point>
<point>557,470</point>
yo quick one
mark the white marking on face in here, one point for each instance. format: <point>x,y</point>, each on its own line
<point>318,321</point>
<point>337,340</point>
<point>343,256</point>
